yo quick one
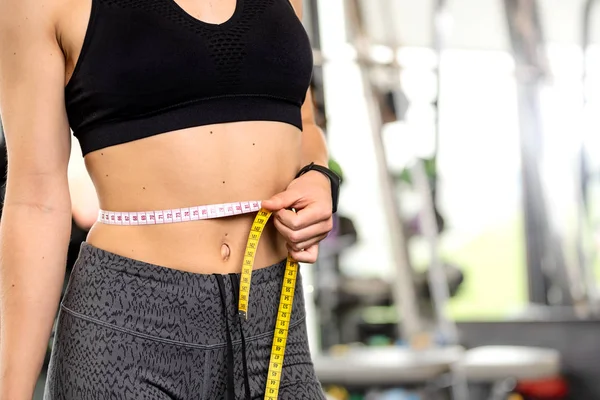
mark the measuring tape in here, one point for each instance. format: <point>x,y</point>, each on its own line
<point>285,302</point>
<point>178,214</point>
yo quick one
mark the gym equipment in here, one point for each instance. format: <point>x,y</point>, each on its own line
<point>586,251</point>
<point>496,363</point>
<point>420,363</point>
<point>386,366</point>
<point>438,281</point>
<point>552,279</point>
<point>397,366</point>
<point>503,367</point>
<point>403,291</point>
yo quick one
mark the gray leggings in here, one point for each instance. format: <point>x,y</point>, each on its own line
<point>133,330</point>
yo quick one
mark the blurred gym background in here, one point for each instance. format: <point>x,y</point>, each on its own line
<point>463,264</point>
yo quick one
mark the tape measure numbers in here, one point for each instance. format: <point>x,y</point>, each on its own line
<point>286,301</point>
<point>195,213</point>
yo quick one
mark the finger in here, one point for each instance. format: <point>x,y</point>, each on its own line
<point>303,218</point>
<point>292,236</point>
<point>309,255</point>
<point>281,200</point>
<point>306,244</point>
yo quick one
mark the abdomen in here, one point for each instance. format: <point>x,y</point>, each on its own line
<point>204,165</point>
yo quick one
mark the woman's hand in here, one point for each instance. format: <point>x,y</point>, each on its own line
<point>310,196</point>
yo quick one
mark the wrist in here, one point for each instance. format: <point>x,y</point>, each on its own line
<point>332,177</point>
<point>318,176</point>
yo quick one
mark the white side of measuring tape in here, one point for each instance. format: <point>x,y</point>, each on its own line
<point>178,214</point>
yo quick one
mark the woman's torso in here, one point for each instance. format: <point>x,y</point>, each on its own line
<point>217,163</point>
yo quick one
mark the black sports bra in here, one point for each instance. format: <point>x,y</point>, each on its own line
<point>148,67</point>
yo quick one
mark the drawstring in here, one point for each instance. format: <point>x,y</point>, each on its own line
<point>230,373</point>
<point>236,290</point>
<point>230,381</point>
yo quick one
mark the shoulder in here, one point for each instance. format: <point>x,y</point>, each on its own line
<point>22,19</point>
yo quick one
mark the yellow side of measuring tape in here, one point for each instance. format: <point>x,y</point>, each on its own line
<point>286,301</point>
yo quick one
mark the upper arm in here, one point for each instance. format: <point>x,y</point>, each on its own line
<point>32,100</point>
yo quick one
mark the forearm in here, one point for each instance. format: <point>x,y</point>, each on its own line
<point>33,243</point>
<point>314,146</point>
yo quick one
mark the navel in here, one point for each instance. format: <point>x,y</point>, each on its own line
<point>225,251</point>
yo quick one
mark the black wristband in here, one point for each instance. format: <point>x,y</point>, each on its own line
<point>333,178</point>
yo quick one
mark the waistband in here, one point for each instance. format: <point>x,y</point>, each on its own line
<point>172,305</point>
<point>177,214</point>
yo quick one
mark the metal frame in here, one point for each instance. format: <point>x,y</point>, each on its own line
<point>403,290</point>
<point>440,14</point>
<point>586,252</point>
<point>546,267</point>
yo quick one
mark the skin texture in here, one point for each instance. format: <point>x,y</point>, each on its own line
<point>40,42</point>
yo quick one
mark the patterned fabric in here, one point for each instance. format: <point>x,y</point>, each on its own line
<point>133,330</point>
<point>227,46</point>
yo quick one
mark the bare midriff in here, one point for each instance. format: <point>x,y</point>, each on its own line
<point>221,163</point>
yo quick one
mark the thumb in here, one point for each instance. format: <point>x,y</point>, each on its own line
<point>281,201</point>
